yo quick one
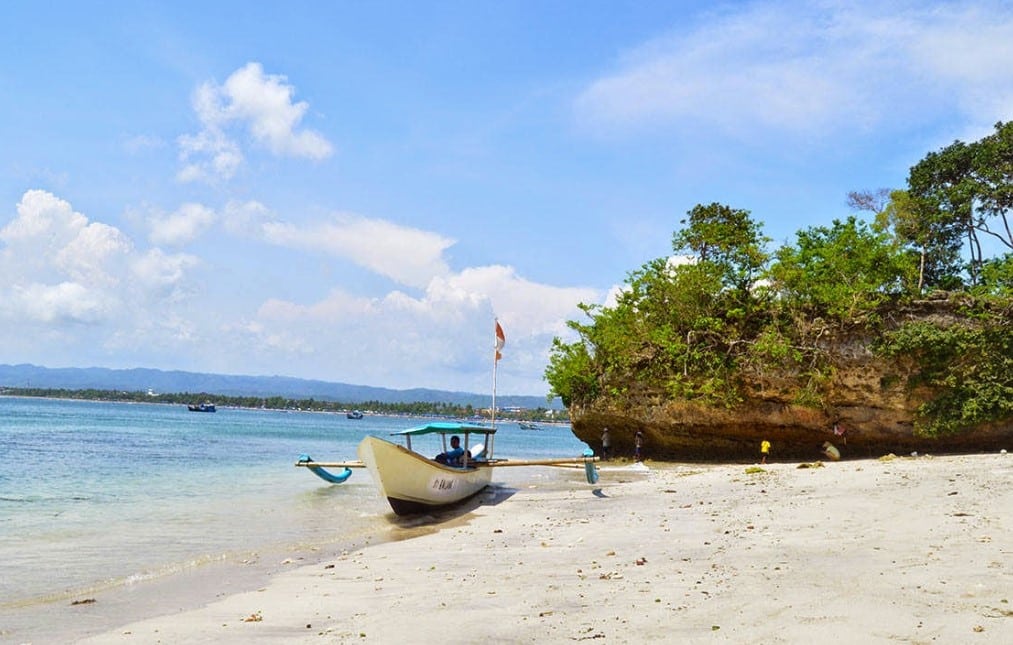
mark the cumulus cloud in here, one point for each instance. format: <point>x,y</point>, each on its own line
<point>63,302</point>
<point>444,334</point>
<point>48,238</point>
<point>262,105</point>
<point>796,68</point>
<point>182,226</point>
<point>406,255</point>
<point>160,273</point>
<point>60,267</point>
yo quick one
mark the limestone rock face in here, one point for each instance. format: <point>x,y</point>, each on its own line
<point>867,400</point>
<point>683,432</point>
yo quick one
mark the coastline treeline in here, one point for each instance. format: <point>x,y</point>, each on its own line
<point>417,408</point>
<point>726,316</point>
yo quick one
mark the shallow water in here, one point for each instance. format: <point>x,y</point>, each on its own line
<point>99,496</point>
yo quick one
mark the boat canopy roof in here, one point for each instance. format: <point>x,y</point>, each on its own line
<point>446,427</point>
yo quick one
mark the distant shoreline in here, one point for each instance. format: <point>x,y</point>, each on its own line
<point>281,404</point>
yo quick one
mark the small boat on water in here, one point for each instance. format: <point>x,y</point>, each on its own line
<point>527,425</point>
<point>354,414</point>
<point>414,483</point>
<point>207,406</point>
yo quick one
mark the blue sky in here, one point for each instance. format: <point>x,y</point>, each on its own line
<point>353,191</point>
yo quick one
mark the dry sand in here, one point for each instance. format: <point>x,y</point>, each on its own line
<point>910,550</point>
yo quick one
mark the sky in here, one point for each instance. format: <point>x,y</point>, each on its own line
<point>355,191</point>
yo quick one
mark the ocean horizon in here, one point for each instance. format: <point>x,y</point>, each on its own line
<point>110,502</point>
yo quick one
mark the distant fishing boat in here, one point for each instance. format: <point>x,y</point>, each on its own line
<point>354,414</point>
<point>527,425</point>
<point>207,406</point>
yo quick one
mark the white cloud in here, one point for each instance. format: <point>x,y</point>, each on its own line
<point>246,219</point>
<point>60,303</point>
<point>87,257</point>
<point>799,68</point>
<point>162,274</point>
<point>406,255</point>
<point>60,268</point>
<point>208,156</point>
<point>529,308</point>
<point>262,105</point>
<point>182,226</point>
<point>48,238</point>
<point>43,215</point>
<point>79,291</point>
<point>439,335</point>
<point>443,335</point>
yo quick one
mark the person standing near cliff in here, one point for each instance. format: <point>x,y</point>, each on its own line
<point>638,444</point>
<point>606,444</point>
<point>840,432</point>
<point>764,451</point>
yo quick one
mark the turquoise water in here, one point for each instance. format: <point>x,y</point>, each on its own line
<point>98,496</point>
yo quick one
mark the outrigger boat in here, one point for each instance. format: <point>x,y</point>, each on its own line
<point>414,483</point>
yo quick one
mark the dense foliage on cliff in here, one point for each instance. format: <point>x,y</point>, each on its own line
<point>723,318</point>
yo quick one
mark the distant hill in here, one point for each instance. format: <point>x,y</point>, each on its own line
<point>140,379</point>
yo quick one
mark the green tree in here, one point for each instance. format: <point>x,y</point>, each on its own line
<point>967,190</point>
<point>997,277</point>
<point>918,226</point>
<point>993,175</point>
<point>727,238</point>
<point>840,271</point>
<point>675,325</point>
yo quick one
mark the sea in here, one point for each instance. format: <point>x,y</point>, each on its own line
<point>110,512</point>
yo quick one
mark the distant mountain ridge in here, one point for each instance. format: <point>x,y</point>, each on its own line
<point>142,379</point>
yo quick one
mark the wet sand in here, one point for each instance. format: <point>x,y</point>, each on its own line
<point>910,549</point>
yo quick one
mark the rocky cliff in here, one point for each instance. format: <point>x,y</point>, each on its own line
<point>868,399</point>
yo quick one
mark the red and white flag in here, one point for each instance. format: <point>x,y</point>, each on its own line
<point>500,340</point>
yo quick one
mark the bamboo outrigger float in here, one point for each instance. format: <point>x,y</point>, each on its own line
<point>414,483</point>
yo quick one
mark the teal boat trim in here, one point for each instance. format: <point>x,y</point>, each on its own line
<point>445,427</point>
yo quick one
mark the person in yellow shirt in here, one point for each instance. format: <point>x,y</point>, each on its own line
<point>764,451</point>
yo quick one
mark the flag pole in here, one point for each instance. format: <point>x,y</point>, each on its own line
<point>493,411</point>
<point>499,340</point>
<point>492,437</point>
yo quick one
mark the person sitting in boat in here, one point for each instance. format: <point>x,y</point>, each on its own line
<point>453,456</point>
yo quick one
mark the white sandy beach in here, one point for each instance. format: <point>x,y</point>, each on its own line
<point>911,550</point>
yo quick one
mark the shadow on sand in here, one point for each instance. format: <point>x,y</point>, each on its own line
<point>491,495</point>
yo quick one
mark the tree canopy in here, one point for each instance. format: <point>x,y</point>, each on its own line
<point>724,312</point>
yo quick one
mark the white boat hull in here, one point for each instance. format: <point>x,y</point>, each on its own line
<point>413,484</point>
